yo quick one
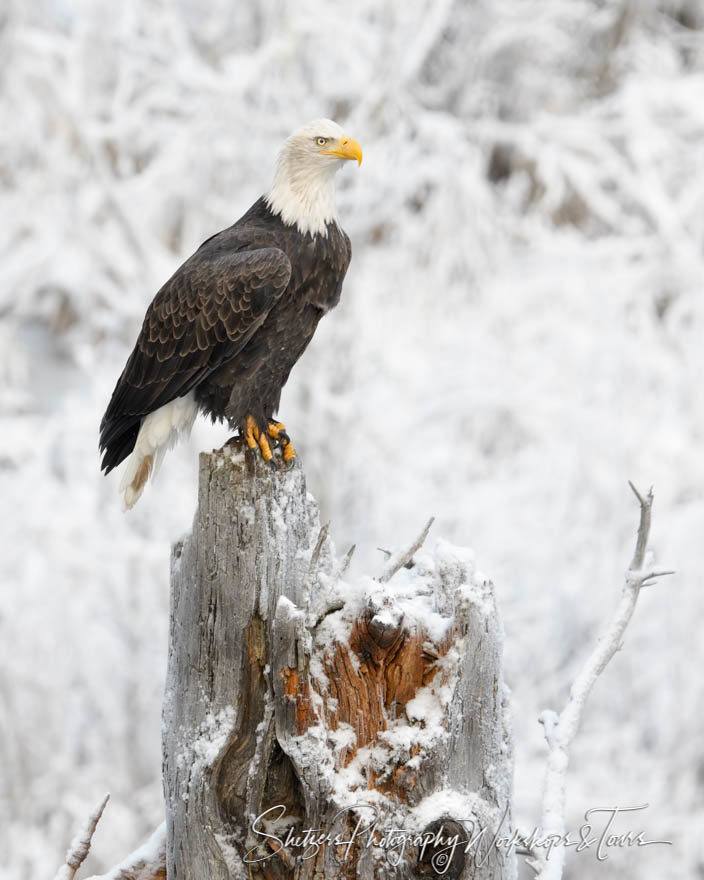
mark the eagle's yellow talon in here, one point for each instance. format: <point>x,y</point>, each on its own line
<point>264,447</point>
<point>289,453</point>
<point>275,429</point>
<point>258,439</point>
<point>251,432</point>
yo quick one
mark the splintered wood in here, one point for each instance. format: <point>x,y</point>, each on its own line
<point>369,682</point>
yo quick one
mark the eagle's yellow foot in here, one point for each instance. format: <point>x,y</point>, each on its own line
<point>256,439</point>
<point>251,433</point>
<point>277,431</point>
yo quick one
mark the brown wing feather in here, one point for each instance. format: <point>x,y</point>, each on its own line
<point>200,319</point>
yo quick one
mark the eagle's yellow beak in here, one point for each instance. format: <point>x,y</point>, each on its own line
<point>348,149</point>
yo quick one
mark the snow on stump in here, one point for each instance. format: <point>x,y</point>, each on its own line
<point>320,728</point>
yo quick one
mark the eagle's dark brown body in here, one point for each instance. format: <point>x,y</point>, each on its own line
<point>229,326</point>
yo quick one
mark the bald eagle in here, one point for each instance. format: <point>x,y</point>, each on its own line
<point>223,333</point>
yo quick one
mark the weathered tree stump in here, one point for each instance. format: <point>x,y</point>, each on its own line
<point>296,701</point>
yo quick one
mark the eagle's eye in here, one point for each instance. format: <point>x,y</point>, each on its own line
<point>321,141</point>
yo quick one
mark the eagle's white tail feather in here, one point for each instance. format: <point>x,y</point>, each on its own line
<point>159,432</point>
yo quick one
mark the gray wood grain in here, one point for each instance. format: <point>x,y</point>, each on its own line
<point>258,695</point>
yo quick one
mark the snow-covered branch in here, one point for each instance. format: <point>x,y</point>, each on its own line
<point>146,863</point>
<point>403,557</point>
<point>561,729</point>
<point>80,845</point>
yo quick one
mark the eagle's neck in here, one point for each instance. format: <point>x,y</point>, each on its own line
<point>304,196</point>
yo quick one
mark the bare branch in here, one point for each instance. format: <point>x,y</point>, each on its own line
<point>80,845</point>
<point>329,607</point>
<point>146,863</point>
<point>398,560</point>
<point>313,565</point>
<point>561,729</point>
<point>637,493</point>
<point>345,563</point>
<point>315,556</point>
<point>646,506</point>
<point>650,579</point>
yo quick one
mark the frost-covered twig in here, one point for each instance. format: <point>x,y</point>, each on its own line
<point>80,845</point>
<point>315,556</point>
<point>561,729</point>
<point>330,605</point>
<point>344,565</point>
<point>646,506</point>
<point>146,863</point>
<point>313,564</point>
<point>398,560</point>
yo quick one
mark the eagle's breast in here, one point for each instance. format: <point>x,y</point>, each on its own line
<point>251,382</point>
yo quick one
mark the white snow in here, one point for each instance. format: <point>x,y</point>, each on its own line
<point>344,736</point>
<point>150,853</point>
<point>212,738</point>
<point>447,802</point>
<point>506,354</point>
<point>413,735</point>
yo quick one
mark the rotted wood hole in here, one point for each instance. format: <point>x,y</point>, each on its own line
<point>444,854</point>
<point>371,679</point>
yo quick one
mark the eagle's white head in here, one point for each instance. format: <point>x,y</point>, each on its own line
<point>303,192</point>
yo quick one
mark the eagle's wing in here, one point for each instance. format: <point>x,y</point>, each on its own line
<point>200,319</point>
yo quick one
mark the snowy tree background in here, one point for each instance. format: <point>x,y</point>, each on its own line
<point>520,333</point>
